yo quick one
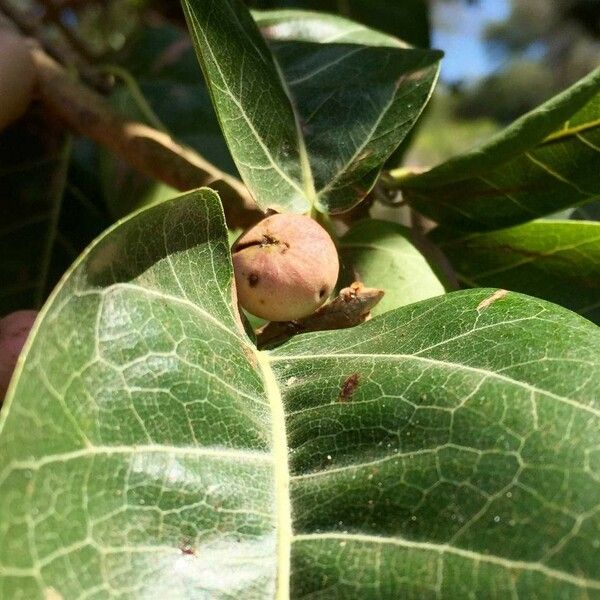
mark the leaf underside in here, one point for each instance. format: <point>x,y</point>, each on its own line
<point>546,161</point>
<point>147,448</point>
<point>555,260</point>
<point>309,124</point>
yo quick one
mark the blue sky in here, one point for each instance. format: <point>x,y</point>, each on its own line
<point>458,31</point>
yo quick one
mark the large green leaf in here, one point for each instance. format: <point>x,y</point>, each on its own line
<point>546,161</point>
<point>147,449</point>
<point>554,260</point>
<point>309,124</point>
<point>381,254</point>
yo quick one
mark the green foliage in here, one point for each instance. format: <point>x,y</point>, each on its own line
<point>547,160</point>
<point>381,254</point>
<point>407,20</point>
<point>555,260</point>
<point>446,448</point>
<point>48,213</point>
<point>279,106</point>
<point>384,461</point>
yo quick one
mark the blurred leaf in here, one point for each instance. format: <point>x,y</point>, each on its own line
<point>555,260</point>
<point>159,73</point>
<point>125,189</point>
<point>163,62</point>
<point>148,449</point>
<point>587,212</point>
<point>45,219</point>
<point>547,160</point>
<point>32,176</point>
<point>310,125</point>
<point>380,254</point>
<point>407,20</point>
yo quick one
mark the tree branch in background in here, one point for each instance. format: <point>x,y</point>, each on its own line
<point>29,24</point>
<point>351,307</point>
<point>54,15</point>
<point>151,152</point>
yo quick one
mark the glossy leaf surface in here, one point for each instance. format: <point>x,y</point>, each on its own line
<point>309,123</point>
<point>147,448</point>
<point>546,161</point>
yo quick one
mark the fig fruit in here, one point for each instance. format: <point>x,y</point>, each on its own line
<point>285,267</point>
<point>17,77</point>
<point>14,329</point>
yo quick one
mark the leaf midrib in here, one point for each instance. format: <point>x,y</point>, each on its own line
<point>283,508</point>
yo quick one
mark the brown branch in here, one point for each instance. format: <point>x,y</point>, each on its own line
<point>151,152</point>
<point>351,307</point>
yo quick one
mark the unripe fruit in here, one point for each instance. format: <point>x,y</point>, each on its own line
<point>14,329</point>
<point>17,77</point>
<point>285,267</point>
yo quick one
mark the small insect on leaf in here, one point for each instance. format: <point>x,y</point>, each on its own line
<point>349,387</point>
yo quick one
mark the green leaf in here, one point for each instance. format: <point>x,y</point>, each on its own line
<point>309,124</point>
<point>148,449</point>
<point>546,161</point>
<point>555,260</point>
<point>407,20</point>
<point>381,254</point>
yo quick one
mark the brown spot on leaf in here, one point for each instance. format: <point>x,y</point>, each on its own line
<point>349,387</point>
<point>251,356</point>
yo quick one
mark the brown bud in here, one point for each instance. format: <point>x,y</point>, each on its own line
<point>285,267</point>
<point>14,329</point>
<point>17,77</point>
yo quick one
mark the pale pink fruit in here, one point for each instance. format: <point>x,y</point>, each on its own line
<point>285,267</point>
<point>14,329</point>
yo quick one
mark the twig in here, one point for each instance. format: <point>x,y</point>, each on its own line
<point>351,307</point>
<point>151,152</point>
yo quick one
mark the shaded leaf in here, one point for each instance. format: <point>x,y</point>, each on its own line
<point>407,20</point>
<point>45,219</point>
<point>301,135</point>
<point>161,86</point>
<point>381,255</point>
<point>587,212</point>
<point>546,161</point>
<point>147,448</point>
<point>555,260</point>
<point>163,62</point>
